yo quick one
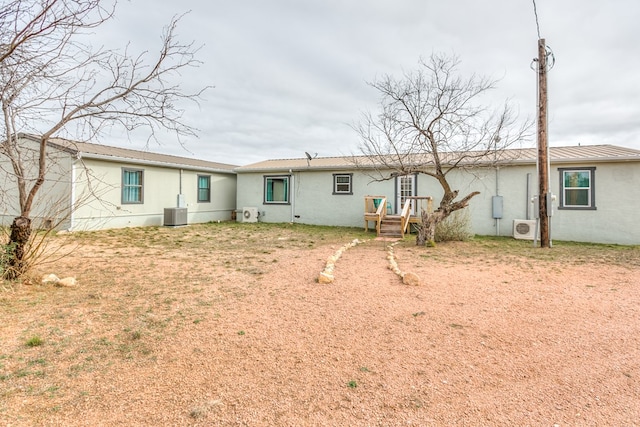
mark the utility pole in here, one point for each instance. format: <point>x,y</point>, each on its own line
<point>543,160</point>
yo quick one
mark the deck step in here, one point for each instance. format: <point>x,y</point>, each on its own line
<point>391,227</point>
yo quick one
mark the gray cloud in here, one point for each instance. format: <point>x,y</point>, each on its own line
<point>290,76</point>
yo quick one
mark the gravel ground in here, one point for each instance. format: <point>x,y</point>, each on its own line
<point>152,338</point>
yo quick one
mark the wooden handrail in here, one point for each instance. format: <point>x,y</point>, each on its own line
<point>377,215</point>
<point>381,212</point>
<point>420,205</point>
<point>418,202</point>
<point>404,217</point>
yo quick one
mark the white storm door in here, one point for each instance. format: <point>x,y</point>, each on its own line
<point>405,187</point>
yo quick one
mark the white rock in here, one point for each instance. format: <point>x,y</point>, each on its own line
<point>67,282</point>
<point>50,278</point>
<point>411,279</point>
<point>325,278</point>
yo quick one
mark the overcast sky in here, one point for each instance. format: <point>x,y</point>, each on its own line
<point>291,76</point>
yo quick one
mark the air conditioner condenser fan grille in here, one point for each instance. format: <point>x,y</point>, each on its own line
<point>523,228</point>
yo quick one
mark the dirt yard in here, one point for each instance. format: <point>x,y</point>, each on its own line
<point>226,325</point>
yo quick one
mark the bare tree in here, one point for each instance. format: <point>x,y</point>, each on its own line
<point>431,123</point>
<point>53,83</point>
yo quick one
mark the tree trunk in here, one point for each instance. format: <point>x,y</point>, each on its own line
<point>427,230</point>
<point>20,233</point>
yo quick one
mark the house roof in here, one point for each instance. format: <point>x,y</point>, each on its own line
<point>116,154</point>
<point>575,154</point>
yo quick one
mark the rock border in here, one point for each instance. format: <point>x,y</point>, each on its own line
<point>326,276</point>
<point>408,278</point>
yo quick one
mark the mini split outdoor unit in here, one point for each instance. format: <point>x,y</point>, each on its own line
<point>250,214</point>
<point>524,229</point>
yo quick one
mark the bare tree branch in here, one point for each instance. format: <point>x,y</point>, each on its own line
<point>52,84</point>
<point>430,122</point>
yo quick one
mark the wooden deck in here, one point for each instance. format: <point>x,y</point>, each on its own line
<point>394,225</point>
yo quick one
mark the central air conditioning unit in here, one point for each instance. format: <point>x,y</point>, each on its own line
<point>174,217</point>
<point>524,229</point>
<point>250,214</point>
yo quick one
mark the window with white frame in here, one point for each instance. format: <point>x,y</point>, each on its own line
<point>342,183</point>
<point>204,188</point>
<point>577,188</point>
<point>276,189</point>
<point>132,186</point>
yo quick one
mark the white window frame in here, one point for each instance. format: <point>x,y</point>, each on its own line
<point>591,189</point>
<point>286,179</point>
<point>336,184</point>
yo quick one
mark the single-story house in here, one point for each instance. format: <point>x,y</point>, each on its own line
<point>92,186</point>
<point>597,196</point>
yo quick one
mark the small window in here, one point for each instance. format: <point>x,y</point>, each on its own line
<point>132,186</point>
<point>577,188</point>
<point>204,188</point>
<point>342,183</point>
<point>276,189</point>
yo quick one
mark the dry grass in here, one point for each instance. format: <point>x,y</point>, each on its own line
<point>138,287</point>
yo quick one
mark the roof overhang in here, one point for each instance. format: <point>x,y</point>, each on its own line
<point>142,162</point>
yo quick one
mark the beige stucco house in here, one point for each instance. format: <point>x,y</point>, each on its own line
<point>596,193</point>
<point>92,186</point>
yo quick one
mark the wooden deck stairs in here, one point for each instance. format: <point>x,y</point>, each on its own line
<point>393,226</point>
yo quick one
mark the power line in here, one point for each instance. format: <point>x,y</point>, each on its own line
<point>549,56</point>
<point>535,12</point>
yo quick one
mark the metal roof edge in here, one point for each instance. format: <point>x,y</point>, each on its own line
<point>614,159</point>
<point>286,169</point>
<point>73,149</point>
<point>516,161</point>
<point>82,154</point>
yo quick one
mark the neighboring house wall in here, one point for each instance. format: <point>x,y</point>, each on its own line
<point>612,221</point>
<point>84,190</point>
<point>51,206</point>
<point>160,189</point>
